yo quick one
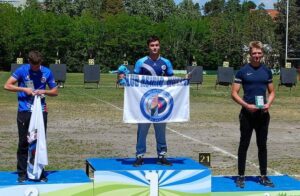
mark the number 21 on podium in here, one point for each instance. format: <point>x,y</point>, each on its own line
<point>205,159</point>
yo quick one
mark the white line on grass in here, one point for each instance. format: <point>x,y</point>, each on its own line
<point>118,108</point>
<point>215,148</point>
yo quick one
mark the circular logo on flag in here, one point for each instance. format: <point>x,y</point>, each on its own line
<point>156,105</point>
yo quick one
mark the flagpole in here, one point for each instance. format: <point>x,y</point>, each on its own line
<point>287,31</point>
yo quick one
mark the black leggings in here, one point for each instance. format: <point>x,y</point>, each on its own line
<point>259,121</point>
<point>23,119</point>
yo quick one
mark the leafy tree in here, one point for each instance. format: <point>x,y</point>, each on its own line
<point>33,4</point>
<point>157,10</point>
<point>60,7</point>
<point>232,6</point>
<point>74,7</point>
<point>124,34</point>
<point>261,6</point>
<point>76,27</point>
<point>188,10</point>
<point>256,30</point>
<point>293,30</point>
<point>182,39</point>
<point>113,6</point>
<point>214,7</point>
<point>9,35</point>
<point>248,5</point>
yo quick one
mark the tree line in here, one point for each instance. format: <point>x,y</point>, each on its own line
<point>111,31</point>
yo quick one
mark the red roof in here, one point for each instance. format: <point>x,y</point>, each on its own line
<point>273,13</point>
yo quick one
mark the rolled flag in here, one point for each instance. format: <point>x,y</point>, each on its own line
<point>37,151</point>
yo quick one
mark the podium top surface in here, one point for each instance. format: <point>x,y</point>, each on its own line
<point>54,177</point>
<point>149,164</point>
<point>227,184</point>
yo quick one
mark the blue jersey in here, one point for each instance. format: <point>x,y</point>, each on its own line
<point>159,67</point>
<point>32,79</point>
<point>254,81</point>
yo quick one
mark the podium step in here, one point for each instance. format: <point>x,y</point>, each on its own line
<point>60,183</point>
<point>119,177</point>
<point>284,186</point>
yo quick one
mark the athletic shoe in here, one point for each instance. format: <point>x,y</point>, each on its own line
<point>22,178</point>
<point>138,162</point>
<point>43,179</point>
<point>163,161</point>
<point>240,181</point>
<point>264,180</point>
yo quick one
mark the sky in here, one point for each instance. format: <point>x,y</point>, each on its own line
<point>268,3</point>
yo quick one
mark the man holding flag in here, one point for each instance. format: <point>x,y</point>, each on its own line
<point>32,79</point>
<point>153,65</point>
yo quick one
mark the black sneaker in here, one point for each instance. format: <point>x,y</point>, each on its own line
<point>138,162</point>
<point>163,161</point>
<point>43,179</point>
<point>264,180</point>
<point>22,178</point>
<point>240,181</point>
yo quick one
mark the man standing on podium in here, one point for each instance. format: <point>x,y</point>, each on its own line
<point>256,79</point>
<point>32,79</point>
<point>154,65</point>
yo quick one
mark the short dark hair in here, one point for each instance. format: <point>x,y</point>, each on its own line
<point>152,38</point>
<point>35,57</point>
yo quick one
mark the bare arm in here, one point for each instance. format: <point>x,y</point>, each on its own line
<point>271,96</point>
<point>51,92</point>
<point>10,86</point>
<point>236,97</point>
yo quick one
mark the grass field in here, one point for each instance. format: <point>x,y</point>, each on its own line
<point>87,122</point>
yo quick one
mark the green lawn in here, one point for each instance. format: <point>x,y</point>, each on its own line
<point>87,122</point>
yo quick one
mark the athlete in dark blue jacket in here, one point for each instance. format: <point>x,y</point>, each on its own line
<point>256,79</point>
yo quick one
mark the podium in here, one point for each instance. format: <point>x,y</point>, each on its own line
<point>225,185</point>
<point>60,183</point>
<point>116,177</point>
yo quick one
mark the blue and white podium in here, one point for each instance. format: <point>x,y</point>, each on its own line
<point>284,186</point>
<point>119,177</point>
<point>60,183</point>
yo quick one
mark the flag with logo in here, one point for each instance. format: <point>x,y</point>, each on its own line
<point>37,150</point>
<point>156,99</point>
